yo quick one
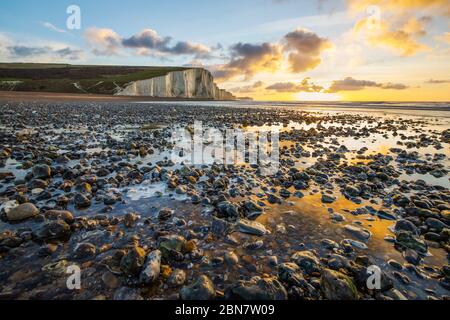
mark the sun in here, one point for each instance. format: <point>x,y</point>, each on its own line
<point>317,96</point>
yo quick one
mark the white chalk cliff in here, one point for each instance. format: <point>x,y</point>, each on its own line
<point>190,83</point>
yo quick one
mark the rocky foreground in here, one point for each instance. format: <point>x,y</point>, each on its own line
<point>92,185</point>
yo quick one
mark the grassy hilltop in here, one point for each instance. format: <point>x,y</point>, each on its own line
<point>66,78</point>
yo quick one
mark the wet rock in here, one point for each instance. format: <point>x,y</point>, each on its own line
<point>42,171</point>
<point>328,199</point>
<point>202,289</point>
<point>337,286</point>
<point>307,261</point>
<point>231,258</point>
<point>81,201</point>
<point>251,209</point>
<point>110,280</point>
<point>152,268</point>
<point>411,256</point>
<point>273,199</point>
<point>59,215</point>
<point>132,262</point>
<point>262,289</point>
<point>251,227</point>
<point>337,217</point>
<point>177,278</point>
<point>290,273</point>
<point>130,219</point>
<point>352,191</point>
<point>383,214</point>
<point>355,243</point>
<point>407,240</point>
<point>84,250</point>
<point>395,264</point>
<point>125,294</point>
<point>103,172</point>
<point>405,225</point>
<point>165,214</point>
<point>171,244</point>
<point>220,227</point>
<point>227,209</point>
<point>57,229</point>
<point>22,212</point>
<point>360,233</point>
<point>337,262</point>
<point>435,224</point>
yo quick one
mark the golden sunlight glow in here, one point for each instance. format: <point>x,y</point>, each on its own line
<point>317,96</point>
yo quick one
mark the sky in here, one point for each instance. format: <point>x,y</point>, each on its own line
<point>351,50</point>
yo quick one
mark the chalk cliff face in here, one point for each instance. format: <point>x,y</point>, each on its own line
<point>189,83</point>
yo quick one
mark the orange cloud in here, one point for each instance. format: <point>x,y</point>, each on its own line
<point>402,38</point>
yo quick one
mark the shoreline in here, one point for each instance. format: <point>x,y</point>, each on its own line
<point>16,96</point>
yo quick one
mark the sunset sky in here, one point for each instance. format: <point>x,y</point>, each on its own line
<point>376,50</point>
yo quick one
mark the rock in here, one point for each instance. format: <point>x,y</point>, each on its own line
<point>110,280</point>
<point>328,199</point>
<point>395,264</point>
<point>411,256</point>
<point>383,214</point>
<point>252,210</point>
<point>57,229</point>
<point>290,273</point>
<point>22,212</point>
<point>132,262</point>
<point>360,233</point>
<point>227,209</point>
<point>152,268</point>
<point>337,262</point>
<point>220,227</point>
<point>231,258</point>
<point>177,278</point>
<point>337,217</point>
<point>435,224</point>
<point>125,294</point>
<point>202,289</point>
<point>273,199</point>
<point>103,172</point>
<point>445,214</point>
<point>41,171</point>
<point>81,201</point>
<point>165,214</point>
<point>171,243</point>
<point>262,289</point>
<point>60,214</point>
<point>337,286</point>
<point>405,225</point>
<point>189,246</point>
<point>130,219</point>
<point>355,243</point>
<point>307,261</point>
<point>352,191</point>
<point>251,227</point>
<point>407,240</point>
<point>84,250</point>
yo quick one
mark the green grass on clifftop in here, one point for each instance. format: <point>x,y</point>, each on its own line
<point>65,78</point>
